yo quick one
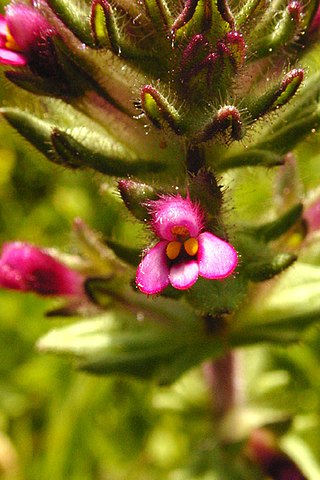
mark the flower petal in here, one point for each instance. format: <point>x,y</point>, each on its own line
<point>8,57</point>
<point>216,258</point>
<point>175,211</point>
<point>183,275</point>
<point>3,30</point>
<point>153,270</point>
<point>27,25</point>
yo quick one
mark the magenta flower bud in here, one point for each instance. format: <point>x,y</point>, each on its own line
<point>29,269</point>
<point>315,24</point>
<point>185,250</point>
<point>295,10</point>
<point>24,36</point>
<point>197,48</point>
<point>274,463</point>
<point>236,46</point>
<point>312,216</point>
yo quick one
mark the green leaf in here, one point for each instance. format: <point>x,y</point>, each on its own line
<point>129,255</point>
<point>110,32</point>
<point>288,136</point>
<point>301,118</point>
<point>110,159</point>
<point>104,25</point>
<point>277,96</point>
<point>36,131</point>
<point>38,85</point>
<point>259,261</point>
<point>92,247</point>
<point>159,111</point>
<point>159,13</point>
<point>248,9</point>
<point>250,157</point>
<point>283,32</point>
<point>273,230</point>
<point>116,343</point>
<point>264,269</point>
<point>75,17</point>
<point>281,312</point>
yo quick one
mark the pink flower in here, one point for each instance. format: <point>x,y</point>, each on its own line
<point>29,269</point>
<point>315,22</point>
<point>312,216</point>
<point>24,34</point>
<point>184,251</point>
<point>263,450</point>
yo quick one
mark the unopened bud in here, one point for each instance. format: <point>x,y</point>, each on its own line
<point>27,268</point>
<point>135,194</point>
<point>159,111</point>
<point>228,116</point>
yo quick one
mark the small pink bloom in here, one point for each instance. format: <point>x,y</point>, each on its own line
<point>29,269</point>
<point>185,250</point>
<point>24,33</point>
<point>315,22</point>
<point>312,216</point>
<point>263,450</point>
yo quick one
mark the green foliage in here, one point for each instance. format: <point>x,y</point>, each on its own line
<point>174,94</point>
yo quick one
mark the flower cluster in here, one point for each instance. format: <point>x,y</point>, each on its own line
<point>185,249</point>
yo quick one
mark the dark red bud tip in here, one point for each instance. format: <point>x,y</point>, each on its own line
<point>210,61</point>
<point>222,49</point>
<point>225,12</point>
<point>225,118</point>
<point>288,87</point>
<point>128,187</point>
<point>263,450</point>
<point>105,5</point>
<point>149,89</point>
<point>295,74</point>
<point>231,114</point>
<point>197,44</point>
<point>123,184</point>
<point>134,195</point>
<point>295,10</point>
<point>236,46</point>
<point>185,15</point>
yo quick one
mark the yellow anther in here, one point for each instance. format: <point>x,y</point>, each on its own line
<point>180,230</point>
<point>173,249</point>
<point>191,246</point>
<point>11,44</point>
